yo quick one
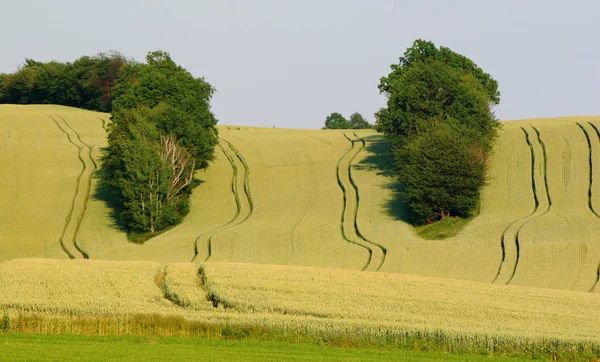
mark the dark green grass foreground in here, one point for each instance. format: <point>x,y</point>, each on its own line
<point>49,347</point>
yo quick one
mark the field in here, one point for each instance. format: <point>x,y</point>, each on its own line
<point>83,348</point>
<point>291,228</point>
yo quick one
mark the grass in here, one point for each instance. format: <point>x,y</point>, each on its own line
<point>23,347</point>
<point>442,229</point>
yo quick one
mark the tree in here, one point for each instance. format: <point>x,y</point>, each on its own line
<point>336,121</point>
<point>430,82</point>
<point>181,102</point>
<point>162,131</point>
<point>439,115</point>
<point>442,172</point>
<point>357,121</point>
<point>151,171</point>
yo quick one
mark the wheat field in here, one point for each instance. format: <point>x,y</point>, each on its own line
<point>311,198</point>
<point>303,229</point>
<point>315,300</point>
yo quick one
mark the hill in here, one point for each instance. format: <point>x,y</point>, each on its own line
<point>311,198</point>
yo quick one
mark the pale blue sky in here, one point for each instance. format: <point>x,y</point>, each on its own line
<point>290,64</point>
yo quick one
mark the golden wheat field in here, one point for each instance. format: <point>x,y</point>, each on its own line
<point>304,229</point>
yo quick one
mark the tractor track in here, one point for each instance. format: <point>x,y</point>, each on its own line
<point>590,191</point>
<point>345,205</point>
<point>77,198</point>
<point>357,195</point>
<point>237,205</point>
<point>520,223</point>
<point>234,187</point>
<point>545,169</point>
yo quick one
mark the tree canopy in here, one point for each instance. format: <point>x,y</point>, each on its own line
<point>439,112</point>
<point>337,121</point>
<point>85,83</point>
<point>162,131</point>
<point>357,121</point>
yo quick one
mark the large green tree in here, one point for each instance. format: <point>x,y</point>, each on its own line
<point>162,130</point>
<point>442,172</point>
<point>439,111</point>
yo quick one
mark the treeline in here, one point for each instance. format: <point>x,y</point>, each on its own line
<point>439,116</point>
<point>85,83</point>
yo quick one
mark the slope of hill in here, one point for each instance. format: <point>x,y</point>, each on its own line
<point>311,198</point>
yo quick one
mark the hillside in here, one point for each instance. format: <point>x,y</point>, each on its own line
<point>311,198</point>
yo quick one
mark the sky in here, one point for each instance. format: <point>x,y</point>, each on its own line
<point>291,63</point>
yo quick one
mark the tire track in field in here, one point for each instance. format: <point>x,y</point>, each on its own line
<point>82,188</point>
<point>509,264</point>
<point>88,189</point>
<point>346,212</point>
<point>548,198</point>
<point>234,191</point>
<point>104,124</point>
<point>382,250</point>
<point>590,191</point>
<point>243,207</point>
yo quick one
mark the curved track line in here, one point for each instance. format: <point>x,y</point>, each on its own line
<point>247,193</point>
<point>344,192</point>
<point>104,124</point>
<point>532,216</point>
<point>246,179</point>
<point>591,177</point>
<point>539,137</point>
<point>545,168</point>
<point>357,195</point>
<point>536,203</point>
<point>597,131</point>
<point>70,213</point>
<point>233,219</point>
<point>88,190</point>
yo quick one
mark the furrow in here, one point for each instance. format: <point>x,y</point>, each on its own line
<point>539,137</point>
<point>591,177</point>
<point>104,124</point>
<point>548,199</point>
<point>246,190</point>
<point>70,213</point>
<point>238,205</point>
<point>87,189</point>
<point>246,180</point>
<point>345,206</point>
<point>503,242</point>
<point>382,248</point>
<point>590,193</point>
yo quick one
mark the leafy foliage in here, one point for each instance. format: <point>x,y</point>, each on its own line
<point>442,172</point>
<point>337,121</point>
<point>357,121</point>
<point>162,131</point>
<point>85,83</point>
<point>439,114</point>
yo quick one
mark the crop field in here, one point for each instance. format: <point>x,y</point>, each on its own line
<point>462,315</point>
<point>288,228</point>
